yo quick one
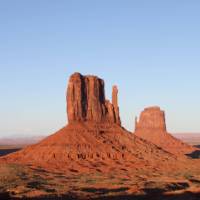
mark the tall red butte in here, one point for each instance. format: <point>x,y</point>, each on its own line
<point>86,100</point>
<point>152,127</point>
<point>94,138</point>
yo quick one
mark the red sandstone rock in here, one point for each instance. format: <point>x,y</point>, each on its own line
<point>152,127</point>
<point>86,100</point>
<point>115,104</point>
<point>152,118</point>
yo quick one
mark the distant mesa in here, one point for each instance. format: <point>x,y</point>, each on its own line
<point>151,118</point>
<point>152,127</point>
<point>86,100</point>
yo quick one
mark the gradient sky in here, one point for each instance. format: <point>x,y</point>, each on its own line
<point>150,49</point>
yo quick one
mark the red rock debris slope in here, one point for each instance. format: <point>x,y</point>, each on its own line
<point>94,138</point>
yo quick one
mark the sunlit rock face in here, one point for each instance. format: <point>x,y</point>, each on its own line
<point>152,118</point>
<point>86,100</point>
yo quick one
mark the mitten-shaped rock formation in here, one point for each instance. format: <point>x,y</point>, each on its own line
<point>151,118</point>
<point>86,100</point>
<point>152,127</point>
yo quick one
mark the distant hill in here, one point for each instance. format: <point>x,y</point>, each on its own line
<point>20,141</point>
<point>190,138</point>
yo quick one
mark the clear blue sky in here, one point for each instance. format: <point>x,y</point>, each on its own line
<point>150,49</point>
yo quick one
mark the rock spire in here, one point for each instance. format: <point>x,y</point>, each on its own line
<point>151,118</point>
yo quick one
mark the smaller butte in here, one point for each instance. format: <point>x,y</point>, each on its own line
<point>152,127</point>
<point>151,118</point>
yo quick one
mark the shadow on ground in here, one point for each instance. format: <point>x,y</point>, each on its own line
<point>194,154</point>
<point>150,195</point>
<point>104,191</point>
<point>4,152</point>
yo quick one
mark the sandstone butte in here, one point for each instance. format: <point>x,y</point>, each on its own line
<point>152,127</point>
<point>94,140</point>
<point>86,100</point>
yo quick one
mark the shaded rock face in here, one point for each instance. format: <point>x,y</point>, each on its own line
<point>86,100</point>
<point>151,118</point>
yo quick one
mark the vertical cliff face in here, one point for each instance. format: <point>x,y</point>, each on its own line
<point>151,118</point>
<point>86,100</point>
<point>75,102</point>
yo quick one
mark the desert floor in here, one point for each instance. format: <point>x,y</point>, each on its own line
<point>29,182</point>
